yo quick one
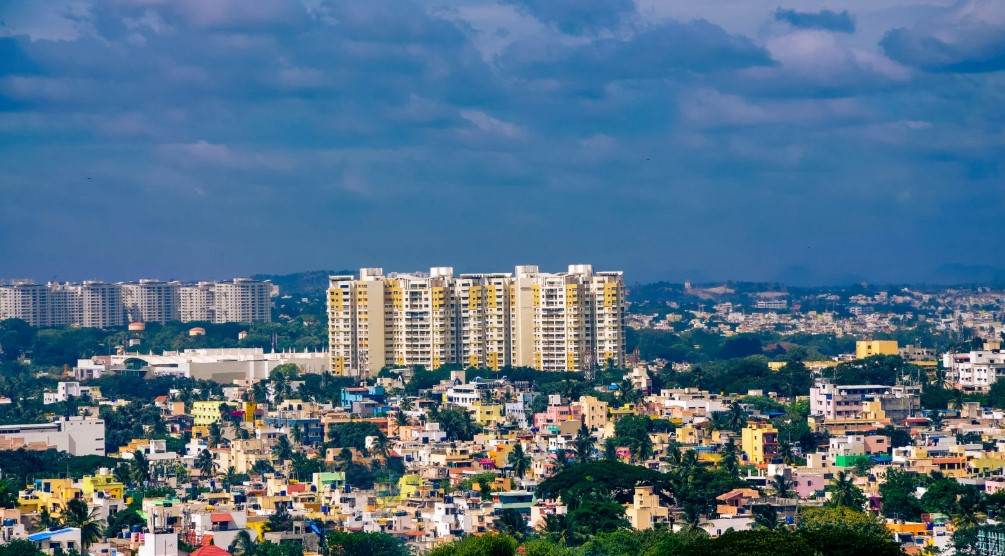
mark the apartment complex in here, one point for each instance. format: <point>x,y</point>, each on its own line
<point>549,321</point>
<point>91,304</point>
<point>151,301</point>
<point>974,371</point>
<point>104,305</point>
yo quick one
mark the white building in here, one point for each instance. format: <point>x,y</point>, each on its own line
<point>102,305</point>
<point>835,402</point>
<point>974,371</point>
<point>90,304</point>
<point>151,300</point>
<point>78,436</point>
<point>556,322</point>
<point>65,391</point>
<point>223,365</point>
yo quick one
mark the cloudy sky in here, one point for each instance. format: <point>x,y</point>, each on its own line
<point>807,141</point>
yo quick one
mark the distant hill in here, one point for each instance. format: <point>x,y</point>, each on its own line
<point>310,281</point>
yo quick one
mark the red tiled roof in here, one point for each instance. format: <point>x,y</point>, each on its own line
<point>220,517</point>
<point>211,550</point>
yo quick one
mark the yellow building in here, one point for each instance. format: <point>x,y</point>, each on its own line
<point>486,414</point>
<point>206,412</point>
<point>687,434</point>
<point>52,494</point>
<point>102,483</point>
<point>646,510</point>
<point>594,411</point>
<point>759,442</point>
<point>868,348</point>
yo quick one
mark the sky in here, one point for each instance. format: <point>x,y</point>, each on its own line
<point>805,141</point>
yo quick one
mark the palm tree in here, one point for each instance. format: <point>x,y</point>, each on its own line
<point>845,493</point>
<point>610,450</point>
<point>243,545</point>
<point>215,435</point>
<point>785,450</point>
<point>345,457</point>
<point>380,445</point>
<point>46,520</point>
<point>766,516</point>
<point>205,464</point>
<point>230,479</point>
<point>518,460</point>
<point>406,404</point>
<point>298,434</point>
<point>782,486</point>
<point>559,528</point>
<point>282,449</point>
<point>77,514</point>
<point>935,418</point>
<point>730,459</point>
<point>737,417</point>
<point>140,468</point>
<point>584,444</point>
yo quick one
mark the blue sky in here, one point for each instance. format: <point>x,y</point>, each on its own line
<point>806,141</point>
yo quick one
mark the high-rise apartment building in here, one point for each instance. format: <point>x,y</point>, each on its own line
<point>104,305</point>
<point>27,301</point>
<point>197,302</point>
<point>100,305</point>
<point>151,301</point>
<point>242,300</point>
<point>91,304</point>
<point>549,321</point>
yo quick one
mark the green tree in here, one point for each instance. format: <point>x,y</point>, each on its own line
<point>78,514</point>
<point>512,523</point>
<point>766,516</point>
<point>584,444</point>
<point>518,460</point>
<point>488,544</point>
<point>897,490</point>
<point>456,423</point>
<point>20,547</point>
<point>940,496</point>
<point>280,520</point>
<point>205,463</point>
<point>365,544</point>
<point>782,486</point>
<point>844,492</point>
<point>139,470</point>
<point>243,544</point>
<point>730,462</point>
<point>633,431</point>
<point>283,449</point>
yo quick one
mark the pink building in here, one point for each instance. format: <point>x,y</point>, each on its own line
<point>877,444</point>
<point>808,484</point>
<point>556,414</point>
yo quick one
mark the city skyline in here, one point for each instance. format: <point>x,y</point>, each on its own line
<point>826,143</point>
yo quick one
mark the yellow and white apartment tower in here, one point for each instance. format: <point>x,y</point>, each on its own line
<point>548,321</point>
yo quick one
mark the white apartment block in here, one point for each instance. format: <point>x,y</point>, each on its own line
<point>242,300</point>
<point>847,401</point>
<point>151,301</point>
<point>95,304</point>
<point>197,302</point>
<point>974,371</point>
<point>549,321</point>
<point>77,436</point>
<point>91,304</point>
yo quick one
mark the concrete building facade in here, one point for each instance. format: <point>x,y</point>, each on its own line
<point>548,321</point>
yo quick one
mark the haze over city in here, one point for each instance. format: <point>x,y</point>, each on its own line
<point>809,142</point>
